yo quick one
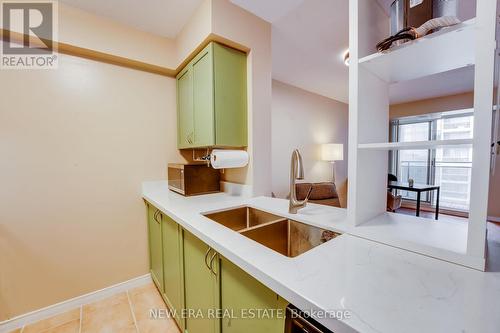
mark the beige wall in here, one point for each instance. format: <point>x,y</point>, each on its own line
<point>304,120</point>
<point>226,20</point>
<point>194,31</point>
<point>76,143</point>
<point>234,23</point>
<point>439,104</point>
<point>84,29</point>
<point>212,17</point>
<point>450,103</point>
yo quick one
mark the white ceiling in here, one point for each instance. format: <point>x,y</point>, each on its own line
<point>269,10</point>
<point>443,84</point>
<point>162,17</point>
<point>309,38</point>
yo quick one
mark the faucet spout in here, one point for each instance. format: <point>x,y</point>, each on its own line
<point>296,173</point>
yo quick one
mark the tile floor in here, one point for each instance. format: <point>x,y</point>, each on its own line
<point>125,312</point>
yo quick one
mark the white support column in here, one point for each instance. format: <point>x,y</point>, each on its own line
<point>353,110</point>
<point>483,99</point>
<point>368,114</point>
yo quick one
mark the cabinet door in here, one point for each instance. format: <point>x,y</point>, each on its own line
<point>200,286</point>
<point>155,246</point>
<point>185,125</point>
<point>230,70</point>
<point>172,267</point>
<point>241,293</point>
<point>203,98</point>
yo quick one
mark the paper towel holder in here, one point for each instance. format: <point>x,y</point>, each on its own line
<point>204,158</point>
<point>209,155</point>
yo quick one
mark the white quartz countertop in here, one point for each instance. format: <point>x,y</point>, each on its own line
<point>384,288</point>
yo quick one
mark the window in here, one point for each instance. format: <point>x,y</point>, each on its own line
<point>448,167</point>
<point>453,165</point>
<point>414,163</point>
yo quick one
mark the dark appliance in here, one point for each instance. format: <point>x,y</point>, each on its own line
<point>414,13</point>
<point>298,322</point>
<point>193,179</point>
<point>410,13</point>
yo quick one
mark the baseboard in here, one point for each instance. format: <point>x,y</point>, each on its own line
<point>51,310</point>
<point>494,219</point>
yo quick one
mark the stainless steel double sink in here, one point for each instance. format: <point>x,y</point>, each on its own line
<point>287,237</point>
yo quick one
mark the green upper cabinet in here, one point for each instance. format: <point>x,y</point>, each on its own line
<point>230,90</point>
<point>203,98</point>
<point>185,119</point>
<point>155,246</point>
<point>241,293</point>
<point>173,267</point>
<point>212,99</point>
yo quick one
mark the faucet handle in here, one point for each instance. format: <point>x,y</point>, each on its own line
<point>308,193</point>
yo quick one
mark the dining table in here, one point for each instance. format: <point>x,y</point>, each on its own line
<point>419,189</point>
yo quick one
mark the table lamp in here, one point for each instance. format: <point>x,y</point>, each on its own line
<point>332,152</point>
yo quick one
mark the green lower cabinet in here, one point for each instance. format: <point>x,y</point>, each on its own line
<point>173,267</point>
<point>155,246</point>
<point>245,297</point>
<point>201,286</point>
<point>208,293</point>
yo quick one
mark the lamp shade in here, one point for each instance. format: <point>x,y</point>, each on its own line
<point>332,152</point>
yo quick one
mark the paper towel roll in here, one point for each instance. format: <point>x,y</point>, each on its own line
<point>225,159</point>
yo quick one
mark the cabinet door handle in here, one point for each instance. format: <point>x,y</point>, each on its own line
<point>206,257</point>
<point>155,216</point>
<point>211,264</point>
<point>189,138</point>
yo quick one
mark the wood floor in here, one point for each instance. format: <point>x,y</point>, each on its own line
<point>430,215</point>
<point>125,312</point>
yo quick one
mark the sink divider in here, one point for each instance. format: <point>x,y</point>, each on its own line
<point>248,228</point>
